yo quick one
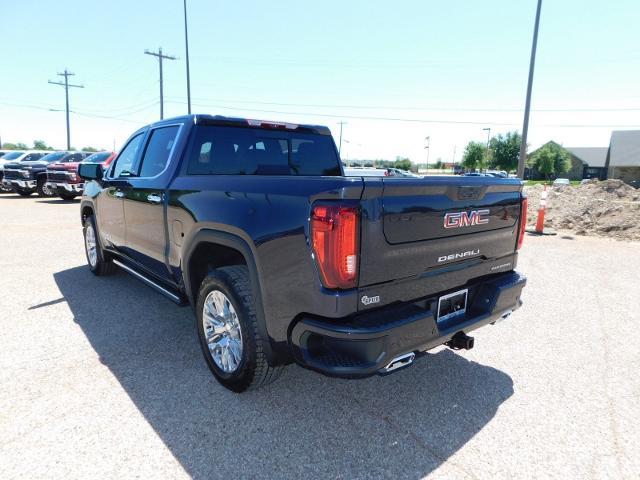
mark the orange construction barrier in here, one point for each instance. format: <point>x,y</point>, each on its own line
<point>541,209</point>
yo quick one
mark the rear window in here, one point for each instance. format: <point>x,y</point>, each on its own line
<point>251,151</point>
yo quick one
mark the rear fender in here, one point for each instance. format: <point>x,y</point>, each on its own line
<point>231,241</point>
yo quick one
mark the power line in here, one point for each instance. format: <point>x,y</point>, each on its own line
<point>398,119</point>
<point>76,112</point>
<point>123,117</point>
<point>160,57</point>
<point>66,74</point>
<point>85,114</point>
<point>128,109</point>
<point>426,109</point>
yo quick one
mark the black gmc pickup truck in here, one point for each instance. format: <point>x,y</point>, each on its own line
<point>284,259</point>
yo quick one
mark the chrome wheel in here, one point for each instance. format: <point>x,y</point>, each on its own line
<point>46,190</point>
<point>222,331</point>
<point>91,245</point>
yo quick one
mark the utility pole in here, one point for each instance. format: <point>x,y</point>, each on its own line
<point>340,143</point>
<point>160,57</point>
<point>488,130</point>
<point>186,45</point>
<point>427,147</point>
<point>66,74</point>
<point>453,163</point>
<point>527,106</point>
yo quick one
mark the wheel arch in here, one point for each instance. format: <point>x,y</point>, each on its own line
<point>223,249</point>
<point>86,209</point>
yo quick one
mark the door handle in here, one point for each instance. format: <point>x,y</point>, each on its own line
<point>153,198</point>
<point>119,194</point>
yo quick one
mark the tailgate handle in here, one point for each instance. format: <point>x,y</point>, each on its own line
<point>469,192</point>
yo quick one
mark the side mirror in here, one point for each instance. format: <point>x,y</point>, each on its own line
<point>90,171</point>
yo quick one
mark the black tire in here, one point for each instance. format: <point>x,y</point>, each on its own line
<point>103,264</point>
<point>68,196</point>
<point>23,193</point>
<point>253,370</point>
<point>43,191</point>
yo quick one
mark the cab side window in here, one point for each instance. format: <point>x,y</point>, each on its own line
<point>124,163</point>
<point>159,147</point>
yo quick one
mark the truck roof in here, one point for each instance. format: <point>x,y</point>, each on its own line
<point>205,119</point>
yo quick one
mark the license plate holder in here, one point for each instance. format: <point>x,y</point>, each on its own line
<point>452,305</point>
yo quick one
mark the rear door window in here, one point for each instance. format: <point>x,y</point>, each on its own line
<point>249,151</point>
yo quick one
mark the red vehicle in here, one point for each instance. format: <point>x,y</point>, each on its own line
<point>63,179</point>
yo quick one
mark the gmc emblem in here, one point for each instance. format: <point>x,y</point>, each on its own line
<point>465,219</point>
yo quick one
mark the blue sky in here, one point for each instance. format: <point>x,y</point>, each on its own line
<point>452,67</point>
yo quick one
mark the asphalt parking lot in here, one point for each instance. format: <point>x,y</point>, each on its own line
<point>102,377</point>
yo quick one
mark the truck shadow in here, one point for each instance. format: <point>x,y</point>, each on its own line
<point>402,426</point>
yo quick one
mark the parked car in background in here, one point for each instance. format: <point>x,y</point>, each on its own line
<point>378,172</point>
<point>14,156</point>
<point>396,172</point>
<point>63,179</point>
<point>365,172</point>
<point>561,181</point>
<point>29,176</point>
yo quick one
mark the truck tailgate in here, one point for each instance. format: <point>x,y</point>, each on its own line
<point>433,226</point>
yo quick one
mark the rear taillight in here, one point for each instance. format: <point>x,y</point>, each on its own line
<point>523,222</point>
<point>334,238</point>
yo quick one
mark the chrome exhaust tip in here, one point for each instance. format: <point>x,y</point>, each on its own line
<point>399,362</point>
<point>506,314</point>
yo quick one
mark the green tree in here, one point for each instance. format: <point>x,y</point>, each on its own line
<point>402,163</point>
<point>551,159</point>
<point>41,145</point>
<point>474,156</point>
<point>89,149</point>
<point>438,165</point>
<point>506,151</point>
<point>14,146</point>
<point>562,163</point>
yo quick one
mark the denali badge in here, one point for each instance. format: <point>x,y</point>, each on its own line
<point>369,300</point>
<point>465,219</point>
<point>455,256</point>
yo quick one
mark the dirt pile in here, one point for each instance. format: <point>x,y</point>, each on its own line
<point>610,208</point>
